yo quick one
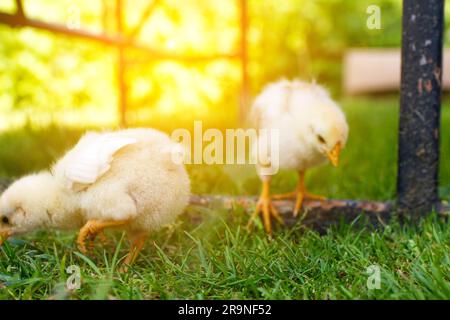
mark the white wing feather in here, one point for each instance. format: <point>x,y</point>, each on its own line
<point>92,156</point>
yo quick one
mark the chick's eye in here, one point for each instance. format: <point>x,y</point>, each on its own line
<point>320,138</point>
<point>5,220</point>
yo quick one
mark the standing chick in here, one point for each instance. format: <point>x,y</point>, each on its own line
<point>312,128</point>
<point>126,179</point>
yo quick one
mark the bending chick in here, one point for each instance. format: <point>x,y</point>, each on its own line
<point>127,179</point>
<point>312,128</point>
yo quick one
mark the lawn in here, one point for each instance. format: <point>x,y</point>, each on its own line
<point>217,259</point>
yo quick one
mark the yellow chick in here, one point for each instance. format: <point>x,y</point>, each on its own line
<point>311,128</point>
<point>126,179</point>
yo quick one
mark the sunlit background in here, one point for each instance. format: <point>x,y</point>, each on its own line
<point>49,77</point>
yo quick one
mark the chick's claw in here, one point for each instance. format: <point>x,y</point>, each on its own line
<point>312,196</point>
<point>293,195</point>
<point>103,239</point>
<point>100,236</point>
<point>93,228</point>
<point>88,232</point>
<point>268,210</point>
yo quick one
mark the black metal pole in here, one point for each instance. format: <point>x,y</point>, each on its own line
<point>420,106</point>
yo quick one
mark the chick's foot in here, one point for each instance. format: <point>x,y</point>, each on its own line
<point>268,210</point>
<point>137,244</point>
<point>293,195</point>
<point>93,228</point>
<point>100,236</point>
<point>312,196</point>
<point>285,196</point>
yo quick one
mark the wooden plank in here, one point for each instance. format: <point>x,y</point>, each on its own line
<point>368,70</point>
<point>318,215</point>
<point>371,70</point>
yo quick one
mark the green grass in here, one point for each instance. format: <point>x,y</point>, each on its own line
<point>217,259</point>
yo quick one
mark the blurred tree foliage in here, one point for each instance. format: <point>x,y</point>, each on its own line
<point>43,74</point>
<point>309,39</point>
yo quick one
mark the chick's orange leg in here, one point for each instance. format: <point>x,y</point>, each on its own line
<point>266,208</point>
<point>299,194</point>
<point>92,228</point>
<point>136,246</point>
<point>298,202</point>
<point>306,194</point>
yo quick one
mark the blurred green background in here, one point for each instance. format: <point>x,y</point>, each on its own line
<point>44,75</point>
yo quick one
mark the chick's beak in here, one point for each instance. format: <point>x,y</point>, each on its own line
<point>334,154</point>
<point>4,235</point>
